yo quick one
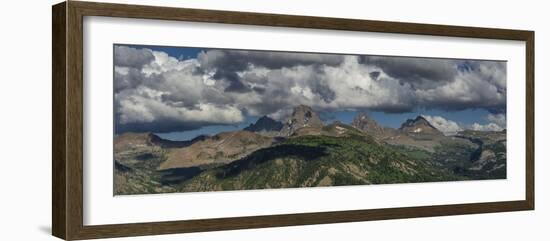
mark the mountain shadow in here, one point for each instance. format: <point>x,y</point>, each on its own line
<point>178,175</point>
<point>302,152</point>
<point>264,124</point>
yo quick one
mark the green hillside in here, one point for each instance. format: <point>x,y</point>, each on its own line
<point>311,155</point>
<point>309,161</point>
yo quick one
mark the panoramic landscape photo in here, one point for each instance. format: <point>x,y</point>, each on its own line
<point>193,119</point>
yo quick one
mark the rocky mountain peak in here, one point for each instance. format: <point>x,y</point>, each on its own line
<point>419,125</point>
<point>365,123</point>
<point>265,124</point>
<point>302,116</point>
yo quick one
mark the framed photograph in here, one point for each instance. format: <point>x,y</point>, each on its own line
<point>171,120</point>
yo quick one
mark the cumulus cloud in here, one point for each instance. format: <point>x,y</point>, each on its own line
<point>448,127</point>
<point>227,63</point>
<point>157,92</point>
<point>469,89</point>
<point>167,94</point>
<point>496,122</point>
<point>144,109</point>
<point>419,72</point>
<point>487,127</point>
<point>237,60</point>
<point>132,57</point>
<point>499,119</point>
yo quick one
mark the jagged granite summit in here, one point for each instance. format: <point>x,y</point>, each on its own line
<point>265,124</point>
<point>302,116</point>
<point>364,123</point>
<point>419,126</point>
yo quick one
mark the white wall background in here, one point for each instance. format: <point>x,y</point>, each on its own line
<point>25,122</point>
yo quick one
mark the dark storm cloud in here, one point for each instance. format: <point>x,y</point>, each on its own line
<point>324,91</point>
<point>259,90</point>
<point>238,60</point>
<point>477,84</point>
<point>394,108</point>
<point>132,57</point>
<point>374,75</point>
<point>419,72</point>
<point>156,92</point>
<point>320,85</point>
<point>158,126</point>
<point>493,72</point>
<point>129,80</point>
<point>232,78</point>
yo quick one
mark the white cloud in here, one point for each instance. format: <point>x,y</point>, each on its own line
<point>145,105</point>
<point>499,119</point>
<point>164,63</point>
<point>168,94</point>
<point>221,86</point>
<point>131,57</point>
<point>354,87</point>
<point>487,127</point>
<point>448,127</point>
<point>497,122</point>
<point>467,90</point>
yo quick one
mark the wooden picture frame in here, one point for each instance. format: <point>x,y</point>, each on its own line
<point>67,137</point>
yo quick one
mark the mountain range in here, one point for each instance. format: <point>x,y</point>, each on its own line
<point>304,152</point>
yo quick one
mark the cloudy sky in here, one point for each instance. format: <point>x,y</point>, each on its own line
<point>194,90</point>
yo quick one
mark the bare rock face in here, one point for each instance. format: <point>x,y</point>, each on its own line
<point>366,124</point>
<point>419,126</point>
<point>222,148</point>
<point>302,116</point>
<point>129,141</point>
<point>265,124</point>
